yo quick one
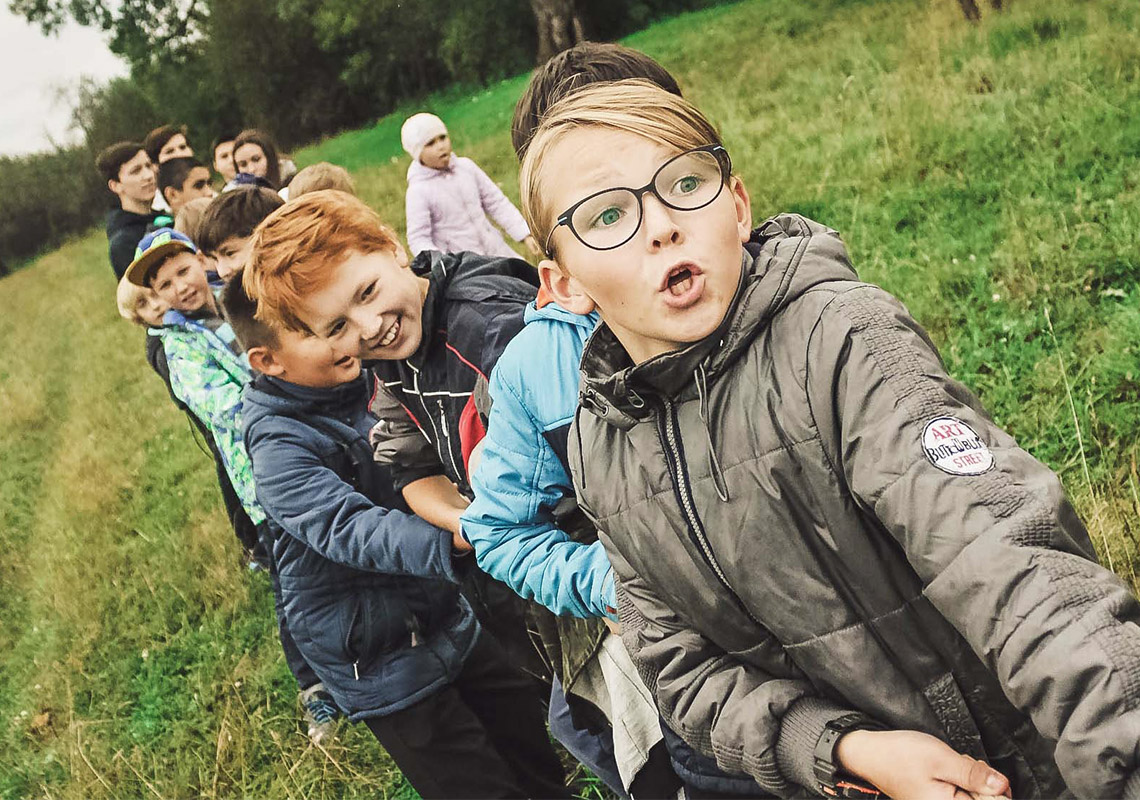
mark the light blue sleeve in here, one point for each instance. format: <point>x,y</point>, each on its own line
<point>510,523</point>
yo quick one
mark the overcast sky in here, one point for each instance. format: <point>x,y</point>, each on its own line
<point>32,67</point>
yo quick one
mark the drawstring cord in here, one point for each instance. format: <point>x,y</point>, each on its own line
<point>714,462</point>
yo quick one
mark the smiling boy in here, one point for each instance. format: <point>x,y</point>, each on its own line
<point>816,594</point>
<point>458,720</point>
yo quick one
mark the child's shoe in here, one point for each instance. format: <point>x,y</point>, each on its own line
<point>320,714</point>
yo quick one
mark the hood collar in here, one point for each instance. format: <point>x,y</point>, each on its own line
<point>784,257</point>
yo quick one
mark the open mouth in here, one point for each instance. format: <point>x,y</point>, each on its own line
<point>390,334</point>
<point>679,281</point>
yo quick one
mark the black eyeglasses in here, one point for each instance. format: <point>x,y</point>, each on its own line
<point>610,218</point>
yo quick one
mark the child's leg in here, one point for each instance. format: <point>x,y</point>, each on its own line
<point>444,751</point>
<point>503,700</point>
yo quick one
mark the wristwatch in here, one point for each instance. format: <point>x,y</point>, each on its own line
<point>831,779</point>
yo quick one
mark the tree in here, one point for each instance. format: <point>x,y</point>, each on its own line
<point>142,31</point>
<point>559,26</point>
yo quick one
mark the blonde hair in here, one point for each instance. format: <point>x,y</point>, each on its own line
<point>322,175</point>
<point>127,298</point>
<point>188,220</point>
<point>298,247</point>
<point>631,106</point>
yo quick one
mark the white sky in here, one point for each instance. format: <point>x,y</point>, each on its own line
<point>32,68</point>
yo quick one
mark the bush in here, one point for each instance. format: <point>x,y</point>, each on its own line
<point>46,197</point>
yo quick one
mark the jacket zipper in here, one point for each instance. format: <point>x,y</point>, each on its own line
<point>685,501</point>
<point>446,442</point>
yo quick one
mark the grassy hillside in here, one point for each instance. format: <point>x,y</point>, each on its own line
<point>986,175</point>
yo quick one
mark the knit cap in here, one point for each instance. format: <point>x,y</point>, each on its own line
<point>418,130</point>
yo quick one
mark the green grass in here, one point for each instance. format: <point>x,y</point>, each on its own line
<point>987,175</point>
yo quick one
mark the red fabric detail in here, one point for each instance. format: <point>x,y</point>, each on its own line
<point>464,360</point>
<point>471,430</point>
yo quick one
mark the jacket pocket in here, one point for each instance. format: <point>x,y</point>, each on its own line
<point>379,624</point>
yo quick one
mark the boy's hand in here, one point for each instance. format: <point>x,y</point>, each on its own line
<point>459,544</point>
<point>909,764</point>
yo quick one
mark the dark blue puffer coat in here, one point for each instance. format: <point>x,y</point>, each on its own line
<point>369,591</point>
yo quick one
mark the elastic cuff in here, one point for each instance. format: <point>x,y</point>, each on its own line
<point>800,729</point>
<point>609,596</point>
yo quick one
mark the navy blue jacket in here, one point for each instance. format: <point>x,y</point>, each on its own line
<point>369,593</point>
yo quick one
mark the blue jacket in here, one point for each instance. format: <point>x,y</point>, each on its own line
<point>369,593</point>
<point>523,474</point>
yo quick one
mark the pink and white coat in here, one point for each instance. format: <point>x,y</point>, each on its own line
<point>448,210</point>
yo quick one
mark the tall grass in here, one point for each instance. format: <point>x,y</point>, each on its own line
<point>986,175</point>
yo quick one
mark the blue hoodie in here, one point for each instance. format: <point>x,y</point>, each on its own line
<point>523,474</point>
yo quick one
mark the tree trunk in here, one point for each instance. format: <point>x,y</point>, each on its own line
<point>559,26</point>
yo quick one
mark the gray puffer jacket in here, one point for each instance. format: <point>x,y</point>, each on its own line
<point>812,517</point>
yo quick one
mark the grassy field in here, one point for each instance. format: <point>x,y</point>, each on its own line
<point>987,175</point>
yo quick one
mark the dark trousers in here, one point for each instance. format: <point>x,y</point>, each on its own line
<point>481,736</point>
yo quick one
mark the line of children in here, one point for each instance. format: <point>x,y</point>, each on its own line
<point>371,592</point>
<point>196,353</point>
<point>833,572</point>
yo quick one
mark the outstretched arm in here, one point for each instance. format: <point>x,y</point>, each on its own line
<point>988,529</point>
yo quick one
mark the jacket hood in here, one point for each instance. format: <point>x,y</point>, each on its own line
<point>784,257</point>
<point>466,277</point>
<point>267,396</point>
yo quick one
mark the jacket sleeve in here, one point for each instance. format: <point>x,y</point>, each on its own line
<point>213,395</point>
<point>749,721</point>
<point>417,212</point>
<point>399,443</point>
<point>510,522</point>
<point>499,207</point>
<point>311,503</point>
<point>1002,553</point>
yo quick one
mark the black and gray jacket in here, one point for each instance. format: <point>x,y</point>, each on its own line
<point>807,516</point>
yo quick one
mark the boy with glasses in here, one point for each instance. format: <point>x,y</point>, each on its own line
<point>833,570</point>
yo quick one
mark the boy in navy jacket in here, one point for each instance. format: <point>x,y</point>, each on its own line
<point>370,592</point>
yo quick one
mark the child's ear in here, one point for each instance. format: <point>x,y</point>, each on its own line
<point>114,186</point>
<point>563,289</point>
<point>401,255</point>
<point>168,194</point>
<point>743,207</point>
<point>261,359</point>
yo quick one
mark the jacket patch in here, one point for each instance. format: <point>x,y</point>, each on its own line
<point>954,447</point>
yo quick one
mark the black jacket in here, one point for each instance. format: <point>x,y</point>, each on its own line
<point>125,229</point>
<point>474,306</point>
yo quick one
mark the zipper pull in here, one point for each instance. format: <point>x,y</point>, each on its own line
<point>355,671</point>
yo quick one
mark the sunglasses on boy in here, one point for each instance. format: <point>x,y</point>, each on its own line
<point>608,219</point>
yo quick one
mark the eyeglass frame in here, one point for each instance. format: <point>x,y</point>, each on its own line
<point>566,217</point>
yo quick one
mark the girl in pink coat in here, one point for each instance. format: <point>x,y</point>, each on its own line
<point>449,198</point>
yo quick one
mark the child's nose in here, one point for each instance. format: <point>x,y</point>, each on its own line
<point>658,223</point>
